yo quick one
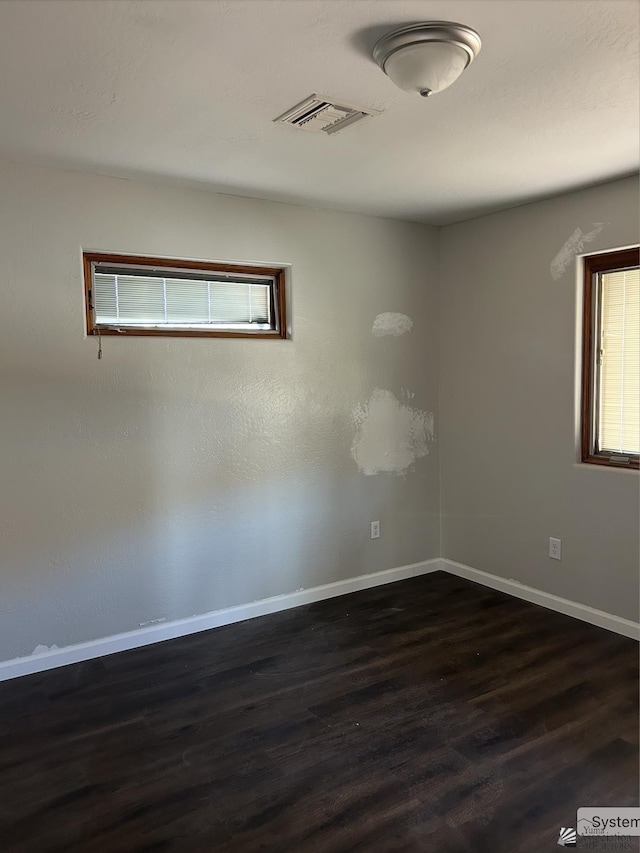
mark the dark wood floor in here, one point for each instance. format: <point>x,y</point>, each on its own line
<point>427,715</point>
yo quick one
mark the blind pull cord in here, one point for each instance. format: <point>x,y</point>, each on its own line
<point>97,329</point>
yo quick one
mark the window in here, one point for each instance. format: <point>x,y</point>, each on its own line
<point>152,296</point>
<point>611,359</point>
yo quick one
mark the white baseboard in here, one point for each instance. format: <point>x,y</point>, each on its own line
<point>562,605</point>
<point>193,624</point>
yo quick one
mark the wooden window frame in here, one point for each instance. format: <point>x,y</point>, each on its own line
<point>594,264</point>
<point>276,273</point>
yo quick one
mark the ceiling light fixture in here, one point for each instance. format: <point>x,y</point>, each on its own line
<point>427,58</point>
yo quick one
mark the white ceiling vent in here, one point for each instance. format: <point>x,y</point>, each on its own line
<point>324,115</point>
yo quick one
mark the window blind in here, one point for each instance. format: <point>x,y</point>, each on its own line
<point>619,375</point>
<point>123,300</point>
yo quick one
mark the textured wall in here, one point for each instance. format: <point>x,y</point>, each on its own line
<point>176,477</point>
<point>509,299</point>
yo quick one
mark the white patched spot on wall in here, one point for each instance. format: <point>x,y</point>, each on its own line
<point>389,436</point>
<point>43,650</point>
<point>391,323</point>
<point>574,245</point>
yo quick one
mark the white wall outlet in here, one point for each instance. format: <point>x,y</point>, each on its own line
<point>375,529</point>
<point>555,548</point>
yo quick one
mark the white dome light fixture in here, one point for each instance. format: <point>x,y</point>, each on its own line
<point>427,58</point>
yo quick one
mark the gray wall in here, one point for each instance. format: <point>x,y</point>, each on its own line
<point>177,477</point>
<point>180,476</point>
<point>510,478</point>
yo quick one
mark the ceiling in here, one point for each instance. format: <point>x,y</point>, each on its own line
<point>186,90</point>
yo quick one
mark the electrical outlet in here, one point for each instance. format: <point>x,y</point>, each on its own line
<point>555,548</point>
<point>375,529</point>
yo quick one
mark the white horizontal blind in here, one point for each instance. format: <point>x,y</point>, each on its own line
<point>129,300</point>
<point>619,391</point>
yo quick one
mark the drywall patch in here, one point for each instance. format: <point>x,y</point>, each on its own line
<point>152,622</point>
<point>389,436</point>
<point>42,650</point>
<point>574,245</point>
<point>391,323</point>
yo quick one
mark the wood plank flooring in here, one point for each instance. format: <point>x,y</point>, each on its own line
<point>427,715</point>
